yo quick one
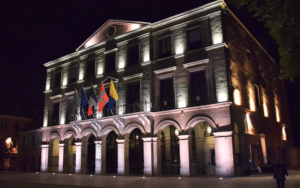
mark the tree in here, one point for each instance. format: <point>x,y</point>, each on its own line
<point>282,18</point>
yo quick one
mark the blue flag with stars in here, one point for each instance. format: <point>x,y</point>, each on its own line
<point>84,101</point>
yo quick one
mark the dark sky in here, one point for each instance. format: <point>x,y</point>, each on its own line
<point>35,32</point>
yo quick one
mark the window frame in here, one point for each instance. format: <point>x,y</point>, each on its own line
<point>187,37</point>
<point>106,63</point>
<point>76,74</point>
<point>164,38</point>
<point>128,57</point>
<point>54,80</point>
<point>258,98</point>
<point>131,83</point>
<point>87,64</point>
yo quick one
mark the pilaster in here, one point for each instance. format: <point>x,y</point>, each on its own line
<point>45,154</point>
<point>123,156</point>
<point>78,157</point>
<point>184,148</point>
<point>61,158</point>
<point>148,154</point>
<point>224,154</point>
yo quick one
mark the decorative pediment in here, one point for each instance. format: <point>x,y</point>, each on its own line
<point>109,29</point>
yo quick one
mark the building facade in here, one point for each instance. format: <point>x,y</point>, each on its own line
<point>197,95</point>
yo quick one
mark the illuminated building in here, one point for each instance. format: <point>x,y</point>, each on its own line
<point>10,125</point>
<point>196,96</point>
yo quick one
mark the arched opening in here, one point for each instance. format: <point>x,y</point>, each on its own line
<point>136,152</point>
<point>170,156</point>
<point>202,149</point>
<point>54,153</point>
<point>71,155</point>
<point>91,154</point>
<point>111,153</point>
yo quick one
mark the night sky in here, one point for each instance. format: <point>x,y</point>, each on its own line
<point>36,32</point>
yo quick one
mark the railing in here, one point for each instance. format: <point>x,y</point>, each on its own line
<point>144,106</point>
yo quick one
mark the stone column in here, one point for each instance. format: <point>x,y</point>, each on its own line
<point>78,157</point>
<point>168,156</point>
<point>224,154</point>
<point>157,156</point>
<point>148,163</point>
<point>45,153</point>
<point>123,157</point>
<point>100,158</point>
<point>61,158</point>
<point>184,147</point>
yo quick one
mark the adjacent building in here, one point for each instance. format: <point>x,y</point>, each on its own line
<point>197,95</point>
<point>10,125</point>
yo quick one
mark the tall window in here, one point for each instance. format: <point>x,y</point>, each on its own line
<point>165,49</point>
<point>133,55</point>
<point>257,96</point>
<point>90,68</point>
<point>57,79</point>
<point>72,75</point>
<point>133,97</point>
<point>110,62</point>
<point>55,116</point>
<point>194,39</point>
<point>166,94</point>
<point>198,88</point>
<point>17,125</point>
<point>3,125</point>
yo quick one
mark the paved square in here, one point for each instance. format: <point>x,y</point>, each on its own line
<point>47,180</point>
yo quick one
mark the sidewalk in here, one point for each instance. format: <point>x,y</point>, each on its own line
<point>58,180</point>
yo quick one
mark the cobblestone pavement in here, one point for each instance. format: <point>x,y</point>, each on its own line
<point>58,180</point>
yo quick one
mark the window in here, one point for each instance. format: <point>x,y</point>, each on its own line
<point>133,55</point>
<point>3,125</point>
<point>166,94</point>
<point>249,55</point>
<point>257,96</point>
<point>72,75</point>
<point>57,79</point>
<point>165,47</point>
<point>198,88</point>
<point>110,62</point>
<point>194,39</point>
<point>133,97</point>
<point>90,68</point>
<point>17,125</point>
<point>14,142</point>
<point>55,113</point>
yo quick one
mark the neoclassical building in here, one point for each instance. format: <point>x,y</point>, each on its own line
<point>197,95</point>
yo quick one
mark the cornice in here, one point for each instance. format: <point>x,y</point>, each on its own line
<point>195,63</point>
<point>188,13</point>
<point>132,76</point>
<point>165,70</point>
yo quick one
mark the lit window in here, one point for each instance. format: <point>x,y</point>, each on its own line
<point>283,133</point>
<point>237,97</point>
<point>249,128</point>
<point>277,113</point>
